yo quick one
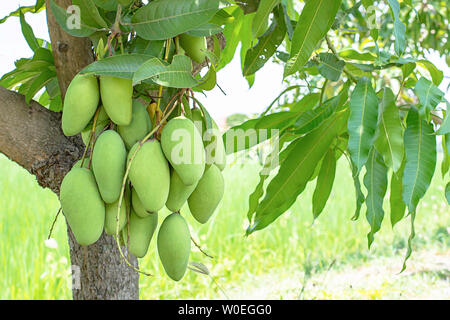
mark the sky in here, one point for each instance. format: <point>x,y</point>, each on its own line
<point>238,99</point>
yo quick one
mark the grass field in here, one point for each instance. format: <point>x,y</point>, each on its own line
<point>276,262</point>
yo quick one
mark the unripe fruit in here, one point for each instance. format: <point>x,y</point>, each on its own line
<point>178,193</point>
<point>82,205</point>
<point>138,207</point>
<point>139,127</point>
<point>194,47</point>
<point>141,232</point>
<point>111,217</point>
<point>183,147</point>
<point>174,245</point>
<point>78,164</point>
<point>116,94</point>
<point>80,103</point>
<point>102,122</point>
<point>207,195</point>
<point>150,175</point>
<point>108,164</point>
<point>212,141</point>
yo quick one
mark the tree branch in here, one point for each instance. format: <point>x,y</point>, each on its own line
<point>32,137</point>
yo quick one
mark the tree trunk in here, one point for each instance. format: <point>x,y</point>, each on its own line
<point>32,137</point>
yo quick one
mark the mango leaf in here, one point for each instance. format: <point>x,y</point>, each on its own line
<point>295,171</point>
<point>207,29</point>
<point>176,75</point>
<point>165,19</point>
<point>89,14</point>
<point>38,83</point>
<point>16,13</point>
<point>312,118</point>
<point>330,66</point>
<point>399,28</point>
<point>269,165</point>
<point>265,7</point>
<point>359,195</point>
<point>255,131</point>
<point>445,125</point>
<point>389,134</point>
<point>375,181</point>
<point>397,206</point>
<point>315,20</point>
<point>232,34</point>
<point>257,56</point>
<point>324,184</point>
<point>352,54</point>
<point>447,192</point>
<point>420,152</point>
<point>306,103</point>
<point>362,122</point>
<point>429,96</point>
<point>445,165</point>
<point>70,22</point>
<point>28,33</point>
<point>410,239</point>
<point>436,74</point>
<point>122,66</point>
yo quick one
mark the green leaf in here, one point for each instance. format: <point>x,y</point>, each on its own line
<point>122,66</point>
<point>447,192</point>
<point>306,103</point>
<point>324,184</point>
<point>38,83</point>
<point>389,134</point>
<point>399,28</point>
<point>397,206</point>
<point>315,20</point>
<point>232,36</point>
<point>330,66</point>
<point>429,96</point>
<point>262,14</point>
<point>410,239</point>
<point>375,181</point>
<point>205,30</point>
<point>270,164</point>
<point>278,120</point>
<point>257,56</point>
<point>295,171</point>
<point>311,119</point>
<point>445,165</point>
<point>445,125</point>
<point>420,152</point>
<point>164,19</point>
<point>69,22</point>
<point>436,74</point>
<point>176,75</point>
<point>34,9</point>
<point>28,33</point>
<point>355,55</point>
<point>89,14</point>
<point>360,198</point>
<point>362,122</point>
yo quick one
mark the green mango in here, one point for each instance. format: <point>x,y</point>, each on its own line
<point>102,122</point>
<point>194,47</point>
<point>149,173</point>
<point>80,104</point>
<point>138,207</point>
<point>141,232</point>
<point>207,195</point>
<point>212,141</point>
<point>108,164</point>
<point>174,245</point>
<point>111,217</point>
<point>85,163</point>
<point>82,205</point>
<point>183,147</point>
<point>139,127</point>
<point>178,192</point>
<point>117,94</point>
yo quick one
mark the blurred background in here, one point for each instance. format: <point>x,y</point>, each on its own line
<point>291,259</point>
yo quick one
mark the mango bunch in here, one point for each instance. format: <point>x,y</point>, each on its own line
<point>184,166</point>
